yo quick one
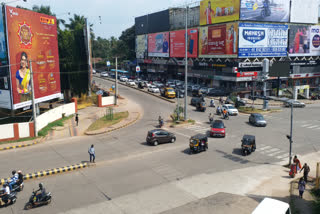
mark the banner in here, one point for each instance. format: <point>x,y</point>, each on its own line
<point>158,44</point>
<point>305,11</point>
<point>304,40</point>
<point>218,11</point>
<point>141,46</point>
<point>5,100</point>
<point>262,40</point>
<point>265,10</point>
<point>32,36</point>
<point>177,43</point>
<point>218,41</point>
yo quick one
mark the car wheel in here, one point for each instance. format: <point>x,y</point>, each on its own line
<point>173,140</point>
<point>155,143</point>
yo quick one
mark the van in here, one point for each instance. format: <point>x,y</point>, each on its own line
<point>269,205</point>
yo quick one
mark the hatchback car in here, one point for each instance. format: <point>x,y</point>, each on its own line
<point>295,104</point>
<point>257,120</point>
<point>104,74</point>
<point>230,109</point>
<point>153,89</point>
<point>131,82</point>
<point>217,129</point>
<point>158,136</point>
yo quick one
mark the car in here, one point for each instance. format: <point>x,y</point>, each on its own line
<point>228,101</point>
<point>104,74</point>
<point>94,71</point>
<point>123,79</point>
<point>157,136</point>
<point>157,84</point>
<point>257,120</point>
<point>169,92</point>
<point>179,91</point>
<point>218,129</point>
<point>153,89</point>
<point>295,104</point>
<point>195,100</point>
<point>217,93</point>
<point>203,90</point>
<point>131,82</point>
<point>230,109</point>
<point>146,84</point>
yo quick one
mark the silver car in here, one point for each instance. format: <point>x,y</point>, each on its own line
<point>257,120</point>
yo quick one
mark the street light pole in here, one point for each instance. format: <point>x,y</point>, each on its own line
<point>186,68</point>
<point>116,84</point>
<point>291,127</point>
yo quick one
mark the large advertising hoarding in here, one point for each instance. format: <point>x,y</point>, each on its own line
<point>141,25</point>
<point>158,22</point>
<point>262,40</point>
<point>218,11</point>
<point>178,40</point>
<point>218,41</point>
<point>32,36</point>
<point>141,46</point>
<point>5,100</point>
<point>305,11</point>
<point>158,44</point>
<point>304,40</point>
<point>265,10</point>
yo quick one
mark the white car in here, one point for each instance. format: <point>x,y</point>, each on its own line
<point>94,71</point>
<point>153,89</point>
<point>131,83</point>
<point>230,109</point>
<point>104,74</point>
<point>123,79</point>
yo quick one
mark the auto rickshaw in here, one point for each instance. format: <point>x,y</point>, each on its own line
<point>248,144</point>
<point>196,93</point>
<point>198,143</point>
<point>201,106</point>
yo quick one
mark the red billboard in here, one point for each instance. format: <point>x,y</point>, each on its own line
<point>177,43</point>
<point>32,36</point>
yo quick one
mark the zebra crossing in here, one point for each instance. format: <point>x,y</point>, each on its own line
<point>273,152</point>
<point>198,128</point>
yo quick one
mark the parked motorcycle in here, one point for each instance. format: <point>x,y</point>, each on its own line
<point>34,203</point>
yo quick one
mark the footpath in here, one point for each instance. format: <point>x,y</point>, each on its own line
<point>198,194</point>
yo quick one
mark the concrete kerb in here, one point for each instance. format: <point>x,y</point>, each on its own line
<point>171,101</point>
<point>114,129</point>
<point>23,145</point>
<point>48,172</point>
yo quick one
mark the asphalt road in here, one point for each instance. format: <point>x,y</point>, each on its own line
<point>126,164</point>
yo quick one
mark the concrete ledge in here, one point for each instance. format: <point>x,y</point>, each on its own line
<point>146,92</point>
<point>48,172</point>
<point>18,146</point>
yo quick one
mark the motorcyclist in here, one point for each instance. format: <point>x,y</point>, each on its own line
<point>218,110</point>
<point>225,112</point>
<point>266,5</point>
<point>14,179</point>
<point>221,100</point>
<point>210,117</point>
<point>20,178</point>
<point>160,121</point>
<point>5,195</point>
<point>41,192</point>
<point>212,103</point>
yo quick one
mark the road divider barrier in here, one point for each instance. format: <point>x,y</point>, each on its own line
<point>48,172</point>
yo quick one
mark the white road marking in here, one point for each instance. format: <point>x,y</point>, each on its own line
<point>282,156</point>
<point>264,148</point>
<point>275,153</point>
<point>305,125</point>
<point>311,127</point>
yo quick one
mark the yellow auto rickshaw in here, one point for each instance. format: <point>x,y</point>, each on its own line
<point>198,143</point>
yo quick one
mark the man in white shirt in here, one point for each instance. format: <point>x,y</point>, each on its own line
<point>5,195</point>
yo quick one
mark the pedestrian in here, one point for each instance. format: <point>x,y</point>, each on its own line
<point>77,119</point>
<point>92,154</point>
<point>301,187</point>
<point>306,170</point>
<point>297,162</point>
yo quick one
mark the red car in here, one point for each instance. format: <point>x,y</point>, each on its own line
<point>218,129</point>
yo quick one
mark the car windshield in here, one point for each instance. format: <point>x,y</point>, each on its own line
<point>217,125</point>
<point>231,107</point>
<point>259,117</point>
<point>170,90</point>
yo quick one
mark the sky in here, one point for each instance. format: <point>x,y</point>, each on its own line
<point>116,15</point>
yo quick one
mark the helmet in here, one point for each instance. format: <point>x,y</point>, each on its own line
<point>5,184</point>
<point>41,185</point>
<point>14,172</point>
<point>19,172</point>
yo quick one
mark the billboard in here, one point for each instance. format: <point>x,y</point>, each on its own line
<point>218,11</point>
<point>299,9</point>
<point>177,43</point>
<point>32,36</point>
<point>265,10</point>
<point>262,40</point>
<point>5,100</point>
<point>141,25</point>
<point>218,41</point>
<point>158,44</point>
<point>159,22</point>
<point>304,40</point>
<point>141,46</point>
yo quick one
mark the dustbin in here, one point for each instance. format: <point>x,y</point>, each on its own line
<point>265,104</point>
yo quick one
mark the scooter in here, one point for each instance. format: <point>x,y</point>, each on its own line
<point>160,123</point>
<point>12,198</point>
<point>34,203</point>
<point>17,187</point>
<point>225,116</point>
<point>218,111</point>
<point>212,104</point>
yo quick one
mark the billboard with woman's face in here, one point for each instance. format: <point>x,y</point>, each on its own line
<point>32,36</point>
<point>158,44</point>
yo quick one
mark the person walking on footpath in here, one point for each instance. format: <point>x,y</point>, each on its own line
<point>297,162</point>
<point>92,154</point>
<point>77,119</point>
<point>301,187</point>
<point>306,170</point>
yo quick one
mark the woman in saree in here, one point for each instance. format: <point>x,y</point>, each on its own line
<point>23,78</point>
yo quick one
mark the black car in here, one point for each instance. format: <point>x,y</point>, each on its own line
<point>158,136</point>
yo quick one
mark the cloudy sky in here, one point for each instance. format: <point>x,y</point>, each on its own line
<point>116,15</point>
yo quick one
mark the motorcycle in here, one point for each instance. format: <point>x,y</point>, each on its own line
<point>266,11</point>
<point>12,197</point>
<point>218,111</point>
<point>34,203</point>
<point>160,123</point>
<point>210,119</point>
<point>17,187</point>
<point>212,104</point>
<point>225,116</point>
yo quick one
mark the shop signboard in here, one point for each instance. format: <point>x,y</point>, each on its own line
<point>218,11</point>
<point>262,40</point>
<point>304,40</point>
<point>218,41</point>
<point>158,44</point>
<point>265,11</point>
<point>177,43</point>
<point>32,36</point>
